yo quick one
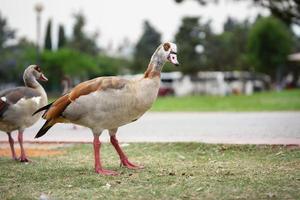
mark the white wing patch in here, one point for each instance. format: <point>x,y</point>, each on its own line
<point>3,99</point>
<point>22,99</point>
<point>27,102</point>
<point>36,99</point>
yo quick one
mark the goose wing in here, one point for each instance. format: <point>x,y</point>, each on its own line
<point>12,96</point>
<point>54,111</point>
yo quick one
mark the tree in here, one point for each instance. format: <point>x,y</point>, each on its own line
<point>268,45</point>
<point>226,51</point>
<point>8,67</point>
<point>48,39</point>
<point>61,37</point>
<point>67,62</point>
<point>6,32</point>
<point>80,40</point>
<point>145,47</point>
<point>14,59</point>
<point>111,66</point>
<point>189,38</point>
<point>286,10</point>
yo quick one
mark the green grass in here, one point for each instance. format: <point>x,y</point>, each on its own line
<point>266,101</point>
<point>173,171</point>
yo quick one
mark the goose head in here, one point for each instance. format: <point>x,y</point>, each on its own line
<point>33,73</point>
<point>168,53</point>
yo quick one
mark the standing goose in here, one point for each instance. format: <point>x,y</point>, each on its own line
<point>18,104</point>
<point>110,102</point>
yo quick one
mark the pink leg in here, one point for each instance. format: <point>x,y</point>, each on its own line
<point>11,143</point>
<point>23,157</point>
<point>124,160</point>
<point>98,166</point>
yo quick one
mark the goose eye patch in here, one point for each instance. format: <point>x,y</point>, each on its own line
<point>37,68</point>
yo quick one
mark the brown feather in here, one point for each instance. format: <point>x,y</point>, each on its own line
<point>84,88</point>
<point>167,46</point>
<point>57,108</point>
<point>3,107</point>
<point>53,114</point>
<point>150,73</point>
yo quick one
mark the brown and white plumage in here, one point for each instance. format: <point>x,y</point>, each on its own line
<point>110,102</point>
<point>18,104</point>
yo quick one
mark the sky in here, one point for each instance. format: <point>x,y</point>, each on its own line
<point>116,20</point>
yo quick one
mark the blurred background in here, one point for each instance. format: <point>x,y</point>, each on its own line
<point>226,47</point>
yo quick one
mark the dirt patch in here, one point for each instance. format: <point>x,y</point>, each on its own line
<point>5,152</point>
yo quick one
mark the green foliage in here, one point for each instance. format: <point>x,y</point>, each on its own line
<point>61,37</point>
<point>188,38</point>
<point>287,11</point>
<point>8,66</point>
<point>80,63</point>
<point>110,66</point>
<point>226,51</point>
<point>6,33</point>
<point>14,60</point>
<point>268,45</point>
<point>26,55</point>
<point>80,40</point>
<point>48,38</point>
<point>145,47</point>
<point>67,62</point>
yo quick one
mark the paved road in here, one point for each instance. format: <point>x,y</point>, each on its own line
<point>237,128</point>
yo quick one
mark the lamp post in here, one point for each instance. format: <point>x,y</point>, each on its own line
<point>38,8</point>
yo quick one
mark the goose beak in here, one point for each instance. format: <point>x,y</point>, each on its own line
<point>173,59</point>
<point>175,62</point>
<point>43,78</point>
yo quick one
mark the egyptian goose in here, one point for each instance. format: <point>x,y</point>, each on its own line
<point>18,104</point>
<point>110,102</point>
